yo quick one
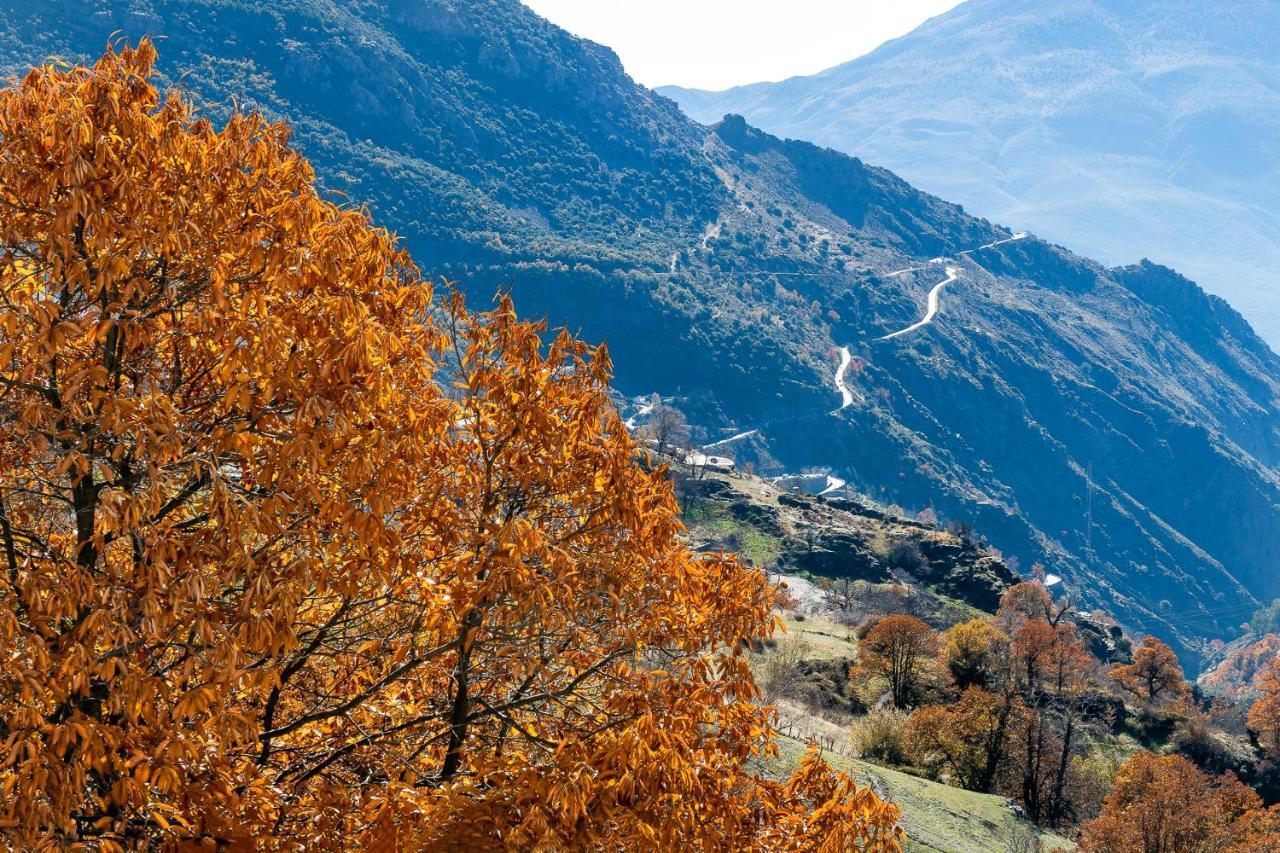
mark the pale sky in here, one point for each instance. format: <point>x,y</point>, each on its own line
<point>715,44</point>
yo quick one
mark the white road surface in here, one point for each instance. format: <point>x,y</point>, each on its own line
<point>846,393</point>
<point>730,439</point>
<point>1021,235</point>
<point>640,413</point>
<point>932,262</point>
<point>834,484</point>
<point>931,310</point>
<point>915,269</point>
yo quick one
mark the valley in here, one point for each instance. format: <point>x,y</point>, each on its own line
<point>419,436</point>
<point>509,155</point>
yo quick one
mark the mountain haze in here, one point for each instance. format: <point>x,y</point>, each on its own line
<point>731,266</point>
<point>1121,128</point>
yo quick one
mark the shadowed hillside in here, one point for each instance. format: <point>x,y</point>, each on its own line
<point>730,266</point>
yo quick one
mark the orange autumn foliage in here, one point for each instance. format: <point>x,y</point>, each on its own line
<point>969,741</point>
<point>1241,668</point>
<point>1264,713</point>
<point>1154,674</point>
<point>900,650</point>
<point>294,555</point>
<point>1163,804</point>
<point>972,651</point>
<point>1021,602</point>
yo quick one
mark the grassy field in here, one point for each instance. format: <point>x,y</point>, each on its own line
<point>938,817</point>
<point>713,521</point>
<point>826,638</point>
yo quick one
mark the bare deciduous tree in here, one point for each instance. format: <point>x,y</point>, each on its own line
<point>667,426</point>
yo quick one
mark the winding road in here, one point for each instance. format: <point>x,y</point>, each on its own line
<point>929,263</point>
<point>640,413</point>
<point>849,396</point>
<point>846,393</point>
<point>933,303</point>
<point>953,274</point>
<point>1021,235</point>
<point>834,484</point>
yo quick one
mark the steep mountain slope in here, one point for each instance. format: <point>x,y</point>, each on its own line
<point>1117,127</point>
<point>1233,671</point>
<point>731,266</point>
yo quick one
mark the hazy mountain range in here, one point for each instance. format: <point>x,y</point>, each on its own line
<point>731,267</point>
<point>1120,128</point>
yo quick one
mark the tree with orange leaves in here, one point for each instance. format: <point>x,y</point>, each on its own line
<point>295,556</point>
<point>1241,668</point>
<point>1053,670</point>
<point>972,651</point>
<point>969,741</point>
<point>1025,601</point>
<point>1163,804</point>
<point>1032,649</point>
<point>1264,713</point>
<point>899,650</point>
<point>1153,675</point>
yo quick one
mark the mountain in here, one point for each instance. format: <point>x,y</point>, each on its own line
<point>1117,424</point>
<point>1232,672</point>
<point>1120,128</point>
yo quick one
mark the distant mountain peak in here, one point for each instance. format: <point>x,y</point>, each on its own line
<point>1116,128</point>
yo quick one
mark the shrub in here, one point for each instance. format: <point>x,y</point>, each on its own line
<point>905,554</point>
<point>779,673</point>
<point>879,736</point>
<point>1193,738</point>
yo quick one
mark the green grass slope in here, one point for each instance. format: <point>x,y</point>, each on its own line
<point>937,817</point>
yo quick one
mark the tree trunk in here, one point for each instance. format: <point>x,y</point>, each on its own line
<point>461,709</point>
<point>1057,804</point>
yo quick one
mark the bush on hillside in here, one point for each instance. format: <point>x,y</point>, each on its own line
<point>880,736</point>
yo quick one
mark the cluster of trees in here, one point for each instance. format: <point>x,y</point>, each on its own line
<point>1001,704</point>
<point>296,555</point>
<point>1234,677</point>
<point>1006,705</point>
<point>1264,713</point>
<point>1164,804</point>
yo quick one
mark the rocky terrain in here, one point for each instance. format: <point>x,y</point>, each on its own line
<point>839,538</point>
<point>845,558</point>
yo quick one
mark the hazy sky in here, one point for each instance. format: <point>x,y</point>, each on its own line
<point>715,44</point>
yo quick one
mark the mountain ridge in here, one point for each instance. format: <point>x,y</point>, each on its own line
<point>732,265</point>
<point>1119,129</point>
